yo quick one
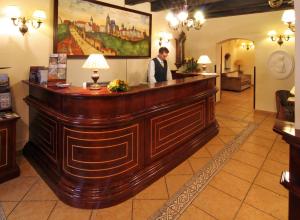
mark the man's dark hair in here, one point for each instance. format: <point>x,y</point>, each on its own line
<point>163,50</point>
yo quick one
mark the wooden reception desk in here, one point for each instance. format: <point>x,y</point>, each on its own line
<point>96,149</point>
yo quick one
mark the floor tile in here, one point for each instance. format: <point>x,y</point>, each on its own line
<point>122,211</point>
<point>271,135</point>
<point>182,169</point>
<point>249,213</point>
<point>226,131</point>
<point>8,207</point>
<point>271,182</point>
<point>216,140</point>
<point>203,152</point>
<point>231,185</point>
<point>260,141</point>
<point>175,182</point>
<point>143,209</point>
<point>268,202</point>
<point>282,147</point>
<point>214,149</point>
<point>40,191</point>
<point>63,212</point>
<point>158,190</point>
<point>15,189</point>
<point>248,158</point>
<point>227,138</point>
<point>198,164</point>
<point>25,167</point>
<point>32,210</point>
<point>255,149</point>
<point>244,171</point>
<point>217,203</point>
<point>193,213</point>
<point>279,156</point>
<point>274,167</point>
<point>237,130</point>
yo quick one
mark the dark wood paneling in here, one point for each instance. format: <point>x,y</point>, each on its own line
<point>8,166</point>
<point>219,8</point>
<point>169,130</point>
<point>98,148</point>
<point>292,184</point>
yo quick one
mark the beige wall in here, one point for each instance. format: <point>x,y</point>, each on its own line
<point>34,48</point>
<point>253,27</point>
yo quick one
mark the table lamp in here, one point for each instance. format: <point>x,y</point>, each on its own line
<point>95,62</point>
<point>293,91</point>
<point>204,60</point>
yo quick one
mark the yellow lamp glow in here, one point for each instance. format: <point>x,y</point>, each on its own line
<point>95,62</point>
<point>183,15</point>
<point>272,33</point>
<point>39,15</point>
<point>289,16</point>
<point>13,11</point>
<point>199,16</point>
<point>204,60</point>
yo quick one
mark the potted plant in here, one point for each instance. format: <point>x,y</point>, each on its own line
<point>191,65</point>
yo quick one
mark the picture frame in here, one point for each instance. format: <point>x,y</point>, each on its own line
<point>99,27</point>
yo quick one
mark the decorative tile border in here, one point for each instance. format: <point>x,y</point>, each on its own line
<point>2,215</point>
<point>179,202</point>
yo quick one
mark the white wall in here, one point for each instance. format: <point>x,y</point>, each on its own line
<point>254,27</point>
<point>21,52</point>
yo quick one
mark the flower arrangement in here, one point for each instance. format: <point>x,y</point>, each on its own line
<point>118,86</point>
<point>191,64</point>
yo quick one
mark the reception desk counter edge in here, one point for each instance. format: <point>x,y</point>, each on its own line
<point>96,149</point>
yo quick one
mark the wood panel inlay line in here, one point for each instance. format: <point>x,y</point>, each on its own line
<point>6,147</point>
<point>105,168</point>
<point>186,123</point>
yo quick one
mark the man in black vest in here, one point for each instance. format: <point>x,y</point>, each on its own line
<point>158,70</point>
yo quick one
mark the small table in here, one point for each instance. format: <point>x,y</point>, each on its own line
<point>8,166</point>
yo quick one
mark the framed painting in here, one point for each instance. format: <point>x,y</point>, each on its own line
<point>84,27</point>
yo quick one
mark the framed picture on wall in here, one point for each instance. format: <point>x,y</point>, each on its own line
<point>84,27</point>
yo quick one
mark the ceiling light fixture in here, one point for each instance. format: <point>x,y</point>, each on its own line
<point>184,20</point>
<point>289,16</point>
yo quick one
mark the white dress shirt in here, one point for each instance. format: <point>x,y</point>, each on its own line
<point>151,71</point>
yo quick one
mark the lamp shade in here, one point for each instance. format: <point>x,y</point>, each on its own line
<point>289,16</point>
<point>13,11</point>
<point>95,61</point>
<point>293,91</point>
<point>204,59</point>
<point>39,15</point>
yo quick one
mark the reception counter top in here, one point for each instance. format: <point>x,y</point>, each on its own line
<point>96,149</point>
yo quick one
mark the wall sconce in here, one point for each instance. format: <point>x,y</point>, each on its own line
<point>247,46</point>
<point>36,20</point>
<point>288,34</point>
<point>164,39</point>
<point>289,18</point>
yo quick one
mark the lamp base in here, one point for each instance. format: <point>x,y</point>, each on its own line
<point>204,68</point>
<point>95,85</point>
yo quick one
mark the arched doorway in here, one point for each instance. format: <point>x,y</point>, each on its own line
<point>236,66</point>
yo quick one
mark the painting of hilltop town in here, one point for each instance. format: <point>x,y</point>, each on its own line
<point>84,27</point>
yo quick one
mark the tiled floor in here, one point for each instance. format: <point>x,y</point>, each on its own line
<point>247,187</point>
